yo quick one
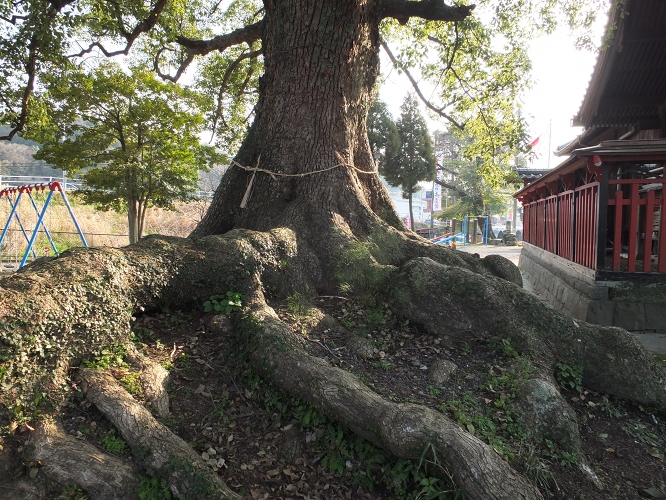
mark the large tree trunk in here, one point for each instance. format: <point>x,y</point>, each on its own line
<point>321,60</point>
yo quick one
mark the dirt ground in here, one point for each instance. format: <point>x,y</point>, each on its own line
<point>266,445</point>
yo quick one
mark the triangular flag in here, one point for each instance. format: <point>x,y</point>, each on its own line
<point>535,142</point>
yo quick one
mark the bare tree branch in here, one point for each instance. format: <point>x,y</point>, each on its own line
<point>225,81</point>
<point>432,10</point>
<point>247,34</point>
<point>181,69</point>
<point>414,83</point>
<point>13,19</point>
<point>142,27</point>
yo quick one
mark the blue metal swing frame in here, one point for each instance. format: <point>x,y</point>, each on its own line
<point>29,188</point>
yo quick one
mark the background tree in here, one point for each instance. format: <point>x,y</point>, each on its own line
<point>476,193</point>
<point>382,132</point>
<point>132,138</point>
<point>414,160</point>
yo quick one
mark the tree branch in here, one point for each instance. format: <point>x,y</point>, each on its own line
<point>428,104</point>
<point>247,34</point>
<point>142,27</point>
<point>225,83</point>
<point>432,10</point>
<point>451,187</point>
<point>181,69</point>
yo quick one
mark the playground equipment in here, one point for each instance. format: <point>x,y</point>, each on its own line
<point>448,238</point>
<point>13,195</point>
<point>464,237</point>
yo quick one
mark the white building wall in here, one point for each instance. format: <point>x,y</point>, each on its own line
<point>402,205</point>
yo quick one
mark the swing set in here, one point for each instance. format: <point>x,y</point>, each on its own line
<point>13,195</point>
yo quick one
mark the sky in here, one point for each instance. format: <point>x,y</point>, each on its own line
<point>561,74</point>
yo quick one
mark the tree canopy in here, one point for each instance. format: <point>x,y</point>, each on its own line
<point>382,131</point>
<point>474,66</point>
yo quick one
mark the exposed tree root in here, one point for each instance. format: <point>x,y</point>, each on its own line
<point>154,379</point>
<point>67,460</point>
<point>453,302</point>
<point>154,446</point>
<point>403,429</point>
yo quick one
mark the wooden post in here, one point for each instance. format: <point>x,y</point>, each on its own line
<point>602,219</point>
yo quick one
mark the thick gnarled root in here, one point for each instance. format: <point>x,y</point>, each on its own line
<point>67,460</point>
<point>403,429</point>
<point>154,446</point>
<point>154,380</point>
<point>454,302</point>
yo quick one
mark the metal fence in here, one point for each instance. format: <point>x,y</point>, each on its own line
<point>69,184</point>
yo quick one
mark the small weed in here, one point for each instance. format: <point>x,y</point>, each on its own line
<point>109,356</point>
<point>298,304</point>
<point>564,458</point>
<point>503,346</point>
<point>383,365</point>
<point>609,408</point>
<point>375,315</point>
<point>153,488</point>
<point>174,320</point>
<point>570,377</point>
<point>143,334</point>
<point>113,444</point>
<point>231,302</point>
<point>433,390</point>
<point>537,471</point>
<point>132,384</point>
<point>640,432</point>
<point>72,492</point>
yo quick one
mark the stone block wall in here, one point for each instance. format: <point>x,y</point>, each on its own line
<point>573,290</point>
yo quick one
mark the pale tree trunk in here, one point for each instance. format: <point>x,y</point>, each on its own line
<point>411,211</point>
<point>132,221</point>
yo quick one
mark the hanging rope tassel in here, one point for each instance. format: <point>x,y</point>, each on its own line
<point>246,196</point>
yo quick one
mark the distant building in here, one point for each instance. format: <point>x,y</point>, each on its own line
<point>419,202</point>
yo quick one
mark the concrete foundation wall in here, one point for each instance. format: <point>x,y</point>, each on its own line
<point>571,289</point>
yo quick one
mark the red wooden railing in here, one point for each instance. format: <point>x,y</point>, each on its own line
<point>567,225</point>
<point>585,225</point>
<point>636,220</point>
<point>550,236</point>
